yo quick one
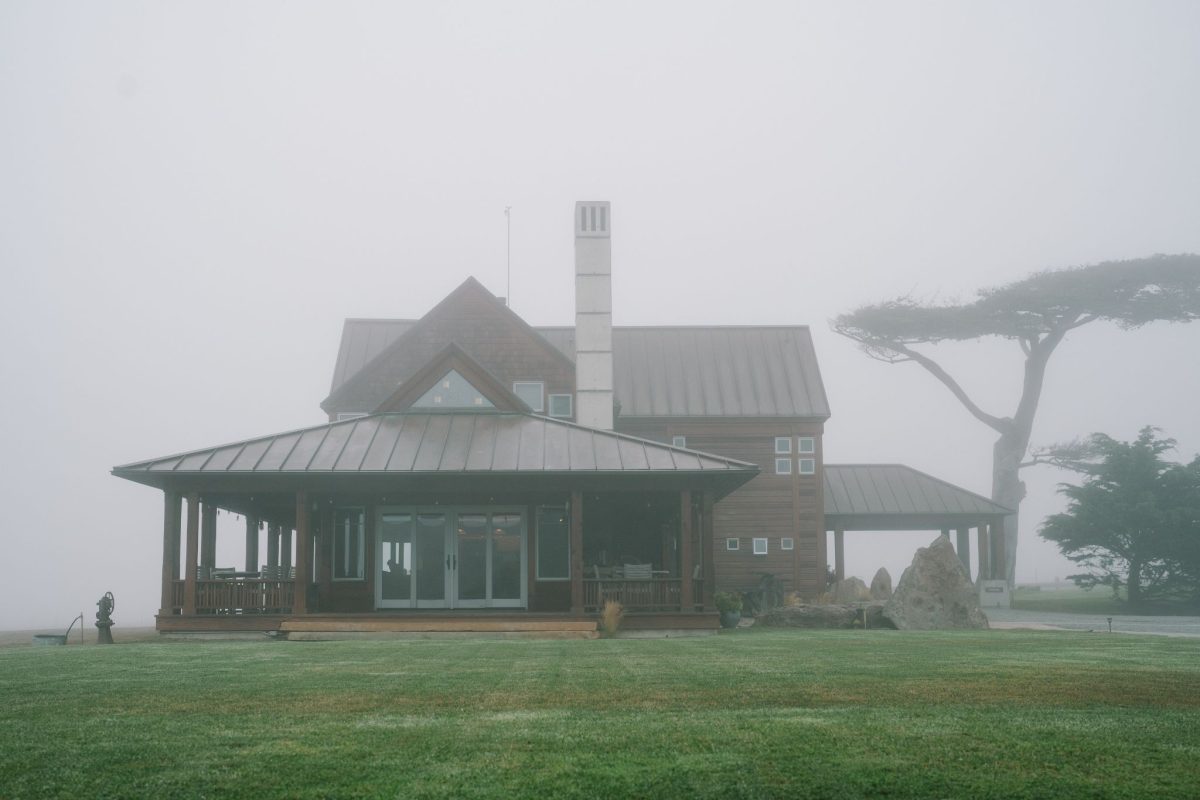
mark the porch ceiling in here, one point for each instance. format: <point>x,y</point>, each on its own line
<point>434,448</point>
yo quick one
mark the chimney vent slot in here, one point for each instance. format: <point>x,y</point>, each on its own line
<point>603,218</point>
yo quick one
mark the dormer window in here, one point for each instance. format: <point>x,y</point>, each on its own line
<point>533,393</point>
<point>560,406</point>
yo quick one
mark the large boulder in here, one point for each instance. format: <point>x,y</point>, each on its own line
<point>881,585</point>
<point>935,593</point>
<point>850,590</point>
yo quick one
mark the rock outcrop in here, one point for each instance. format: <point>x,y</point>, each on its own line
<point>850,590</point>
<point>935,593</point>
<point>881,585</point>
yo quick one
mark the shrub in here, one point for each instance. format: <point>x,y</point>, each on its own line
<point>611,616</point>
<point>727,601</point>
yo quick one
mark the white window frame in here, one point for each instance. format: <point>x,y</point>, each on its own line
<point>678,441</point>
<point>338,540</point>
<point>541,406</point>
<point>342,416</point>
<point>806,445</point>
<point>760,542</point>
<point>787,543</point>
<point>570,406</point>
<point>783,445</point>
<point>732,543</point>
<point>783,466</point>
<point>808,466</point>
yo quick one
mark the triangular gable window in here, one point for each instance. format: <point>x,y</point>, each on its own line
<point>453,392</point>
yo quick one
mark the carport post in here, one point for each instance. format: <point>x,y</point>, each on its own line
<point>839,553</point>
<point>964,549</point>
<point>984,553</point>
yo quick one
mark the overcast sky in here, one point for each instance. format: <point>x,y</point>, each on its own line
<point>193,196</point>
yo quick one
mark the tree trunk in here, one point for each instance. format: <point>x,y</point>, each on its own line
<point>1008,491</point>
<point>1133,585</point>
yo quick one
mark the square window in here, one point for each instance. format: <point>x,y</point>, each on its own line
<point>532,393</point>
<point>760,546</point>
<point>806,444</point>
<point>342,416</point>
<point>679,441</point>
<point>560,405</point>
<point>808,466</point>
<point>731,544</point>
<point>783,466</point>
<point>783,445</point>
<point>787,543</point>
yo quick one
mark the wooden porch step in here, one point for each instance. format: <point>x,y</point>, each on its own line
<point>435,625</point>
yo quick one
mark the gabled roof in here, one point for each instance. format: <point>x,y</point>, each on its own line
<point>682,371</point>
<point>897,497</point>
<point>445,444</point>
<point>453,358</point>
<point>717,371</point>
<point>402,351</point>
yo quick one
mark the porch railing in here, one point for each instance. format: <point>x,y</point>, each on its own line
<point>238,596</point>
<point>654,594</point>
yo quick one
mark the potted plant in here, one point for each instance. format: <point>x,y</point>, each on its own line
<point>730,606</point>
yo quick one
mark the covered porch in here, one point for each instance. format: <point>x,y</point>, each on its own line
<point>596,516</point>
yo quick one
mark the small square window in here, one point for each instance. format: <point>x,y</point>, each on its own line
<point>806,444</point>
<point>532,392</point>
<point>560,405</point>
<point>679,441</point>
<point>760,546</point>
<point>783,445</point>
<point>342,416</point>
<point>787,543</point>
<point>808,466</point>
<point>783,466</point>
<point>731,544</point>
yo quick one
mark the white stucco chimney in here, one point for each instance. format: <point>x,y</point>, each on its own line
<point>593,314</point>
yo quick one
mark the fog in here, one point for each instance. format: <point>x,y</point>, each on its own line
<point>193,196</point>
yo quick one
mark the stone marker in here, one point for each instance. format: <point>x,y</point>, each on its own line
<point>881,585</point>
<point>850,590</point>
<point>935,593</point>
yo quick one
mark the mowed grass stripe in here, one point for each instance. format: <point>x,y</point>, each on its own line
<point>755,714</point>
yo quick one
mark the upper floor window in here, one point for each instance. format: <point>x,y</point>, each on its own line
<point>808,466</point>
<point>342,416</point>
<point>783,445</point>
<point>560,405</point>
<point>533,393</point>
<point>679,441</point>
<point>806,444</point>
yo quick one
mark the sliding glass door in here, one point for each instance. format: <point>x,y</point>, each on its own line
<point>451,558</point>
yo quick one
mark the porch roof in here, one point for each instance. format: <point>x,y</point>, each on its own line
<point>898,497</point>
<point>441,444</point>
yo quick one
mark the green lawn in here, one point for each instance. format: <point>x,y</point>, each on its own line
<point>1073,600</point>
<point>998,714</point>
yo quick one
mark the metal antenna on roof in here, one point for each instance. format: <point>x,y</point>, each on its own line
<point>508,256</point>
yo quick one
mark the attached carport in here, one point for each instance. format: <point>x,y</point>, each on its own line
<point>894,497</point>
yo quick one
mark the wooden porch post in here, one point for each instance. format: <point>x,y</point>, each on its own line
<point>839,553</point>
<point>193,548</point>
<point>985,560</point>
<point>303,548</point>
<point>251,544</point>
<point>686,562</point>
<point>576,526</point>
<point>707,545</point>
<point>964,549</point>
<point>170,564</point>
<point>208,535</point>
<point>325,535</point>
<point>272,545</point>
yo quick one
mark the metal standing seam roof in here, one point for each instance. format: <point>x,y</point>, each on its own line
<point>440,443</point>
<point>897,490</point>
<point>680,371</point>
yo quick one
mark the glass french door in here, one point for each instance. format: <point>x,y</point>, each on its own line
<point>451,558</point>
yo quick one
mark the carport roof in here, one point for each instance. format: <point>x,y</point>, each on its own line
<point>897,497</point>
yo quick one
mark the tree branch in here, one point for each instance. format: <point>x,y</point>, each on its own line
<point>998,424</point>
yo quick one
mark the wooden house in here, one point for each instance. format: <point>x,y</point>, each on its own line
<point>476,472</point>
